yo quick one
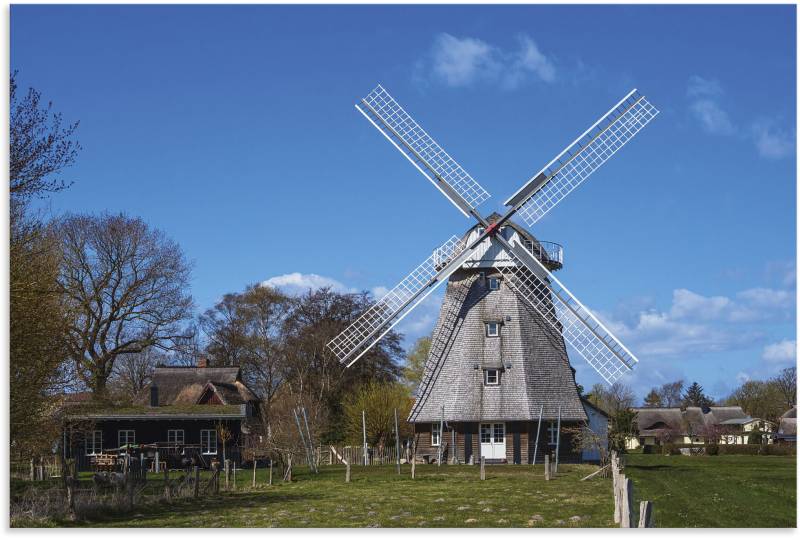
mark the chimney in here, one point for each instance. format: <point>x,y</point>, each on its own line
<point>202,362</point>
<point>153,395</point>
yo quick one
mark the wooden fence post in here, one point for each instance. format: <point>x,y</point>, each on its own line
<point>547,467</point>
<point>414,457</point>
<point>167,491</point>
<point>270,471</point>
<point>227,473</point>
<point>196,481</point>
<point>33,470</point>
<point>254,471</point>
<point>233,483</point>
<point>645,515</point>
<point>347,472</point>
<point>627,501</point>
<point>483,468</point>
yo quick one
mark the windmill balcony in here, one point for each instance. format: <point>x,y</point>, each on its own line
<point>550,253</point>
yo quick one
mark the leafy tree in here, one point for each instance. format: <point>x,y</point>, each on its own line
<point>315,376</point>
<point>759,399</point>
<point>378,401</point>
<point>415,361</point>
<point>694,397</point>
<point>39,150</point>
<point>653,399</point>
<point>125,286</point>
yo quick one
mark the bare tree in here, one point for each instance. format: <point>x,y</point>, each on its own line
<point>126,289</point>
<point>133,372</point>
<point>40,147</point>
<point>786,384</point>
<point>672,393</point>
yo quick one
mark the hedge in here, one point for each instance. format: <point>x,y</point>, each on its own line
<point>736,449</point>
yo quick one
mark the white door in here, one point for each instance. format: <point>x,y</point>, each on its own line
<point>493,440</point>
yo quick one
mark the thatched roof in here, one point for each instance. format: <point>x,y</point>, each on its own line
<point>652,420</point>
<point>185,385</point>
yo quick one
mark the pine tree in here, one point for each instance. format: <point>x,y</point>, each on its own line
<point>694,397</point>
<point>653,399</point>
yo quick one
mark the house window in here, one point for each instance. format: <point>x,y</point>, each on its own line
<point>553,431</point>
<point>499,433</point>
<point>126,436</point>
<point>208,441</point>
<point>94,443</point>
<point>492,377</point>
<point>436,434</point>
<point>494,284</point>
<point>492,329</point>
<point>175,437</point>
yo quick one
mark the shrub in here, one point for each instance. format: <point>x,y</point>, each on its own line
<point>712,449</point>
<point>651,449</point>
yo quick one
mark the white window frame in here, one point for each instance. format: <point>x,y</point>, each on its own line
<point>496,329</point>
<point>494,284</point>
<point>129,435</point>
<point>496,377</point>
<point>206,445</point>
<point>436,434</point>
<point>172,437</point>
<point>94,442</point>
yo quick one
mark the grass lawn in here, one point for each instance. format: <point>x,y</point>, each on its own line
<point>687,491</point>
<point>716,491</point>
<point>450,496</point>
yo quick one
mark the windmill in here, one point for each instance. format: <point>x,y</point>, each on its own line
<point>523,263</point>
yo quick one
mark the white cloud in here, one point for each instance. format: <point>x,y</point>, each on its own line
<point>685,303</point>
<point>297,282</point>
<point>460,62</point>
<point>771,142</point>
<point>379,291</point>
<point>529,60</point>
<point>705,97</point>
<point>697,324</point>
<point>742,377</point>
<point>698,86</point>
<point>782,352</point>
<point>465,61</point>
<point>711,116</point>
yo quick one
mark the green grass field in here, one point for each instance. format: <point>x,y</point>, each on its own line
<point>714,491</point>
<point>717,491</point>
<point>450,496</point>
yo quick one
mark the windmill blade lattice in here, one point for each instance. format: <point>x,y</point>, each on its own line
<point>421,150</point>
<point>376,322</point>
<point>580,328</point>
<point>584,156</point>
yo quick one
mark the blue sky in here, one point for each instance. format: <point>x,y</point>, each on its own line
<point>233,130</point>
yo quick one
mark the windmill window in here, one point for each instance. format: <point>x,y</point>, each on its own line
<point>436,434</point>
<point>492,329</point>
<point>94,443</point>
<point>494,284</point>
<point>175,437</point>
<point>553,431</point>
<point>492,377</point>
<point>480,230</point>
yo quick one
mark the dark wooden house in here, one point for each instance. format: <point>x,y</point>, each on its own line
<point>188,414</point>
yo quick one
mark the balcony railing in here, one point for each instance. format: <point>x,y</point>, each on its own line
<point>550,253</point>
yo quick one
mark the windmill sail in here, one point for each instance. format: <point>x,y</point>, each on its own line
<point>422,151</point>
<point>581,158</point>
<point>376,322</point>
<point>552,300</point>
